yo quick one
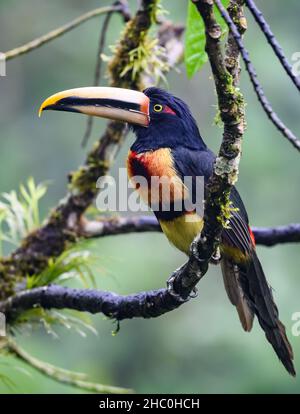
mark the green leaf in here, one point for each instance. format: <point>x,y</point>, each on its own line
<point>195,56</point>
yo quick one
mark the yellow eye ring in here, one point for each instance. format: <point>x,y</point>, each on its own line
<point>158,108</point>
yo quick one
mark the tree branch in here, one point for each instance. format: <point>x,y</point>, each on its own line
<point>265,236</point>
<point>286,132</point>
<point>145,304</point>
<point>91,229</point>
<point>270,236</point>
<point>141,305</point>
<point>54,34</point>
<point>258,16</point>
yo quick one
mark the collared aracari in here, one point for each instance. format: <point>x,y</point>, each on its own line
<point>168,143</point>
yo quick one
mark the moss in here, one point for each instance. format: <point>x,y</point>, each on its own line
<point>8,278</point>
<point>218,119</point>
<point>134,35</point>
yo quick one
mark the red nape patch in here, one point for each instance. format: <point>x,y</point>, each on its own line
<point>132,154</point>
<point>168,110</point>
<point>252,236</point>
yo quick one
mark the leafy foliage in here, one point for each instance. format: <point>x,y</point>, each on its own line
<point>195,56</point>
<point>19,212</point>
<point>52,319</point>
<point>20,215</point>
<point>149,58</point>
<point>72,263</point>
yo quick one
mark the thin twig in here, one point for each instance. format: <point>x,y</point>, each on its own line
<point>265,236</point>
<point>75,379</point>
<point>54,34</point>
<point>254,80</point>
<point>258,16</point>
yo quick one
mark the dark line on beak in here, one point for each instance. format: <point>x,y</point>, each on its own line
<point>108,103</point>
<point>64,108</point>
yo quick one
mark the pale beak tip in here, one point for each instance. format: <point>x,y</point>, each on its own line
<point>41,110</point>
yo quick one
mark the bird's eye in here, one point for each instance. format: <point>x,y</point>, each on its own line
<point>158,108</point>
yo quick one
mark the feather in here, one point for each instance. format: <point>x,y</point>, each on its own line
<point>231,274</point>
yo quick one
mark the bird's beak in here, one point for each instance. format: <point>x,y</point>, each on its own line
<point>113,103</point>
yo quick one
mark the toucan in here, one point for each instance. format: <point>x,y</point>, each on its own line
<point>168,143</point>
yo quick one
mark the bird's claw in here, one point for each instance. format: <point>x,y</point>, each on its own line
<point>172,291</point>
<point>216,257</point>
<point>194,293</point>
<point>170,287</point>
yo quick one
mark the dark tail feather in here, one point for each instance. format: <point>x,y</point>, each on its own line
<point>257,290</point>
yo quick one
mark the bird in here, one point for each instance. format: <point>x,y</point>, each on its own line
<point>168,144</point>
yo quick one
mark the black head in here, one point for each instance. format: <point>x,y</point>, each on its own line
<point>171,124</point>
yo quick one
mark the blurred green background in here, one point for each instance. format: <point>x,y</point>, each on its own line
<point>199,348</point>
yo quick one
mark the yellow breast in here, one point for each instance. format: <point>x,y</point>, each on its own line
<point>182,230</point>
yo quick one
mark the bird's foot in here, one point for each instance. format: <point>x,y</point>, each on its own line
<point>172,290</point>
<point>215,258</point>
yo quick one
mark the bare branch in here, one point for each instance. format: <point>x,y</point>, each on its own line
<point>54,34</point>
<point>287,133</point>
<point>117,225</point>
<point>270,236</point>
<point>258,16</point>
<point>265,236</point>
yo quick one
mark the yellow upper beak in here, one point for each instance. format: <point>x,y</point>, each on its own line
<point>112,103</point>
